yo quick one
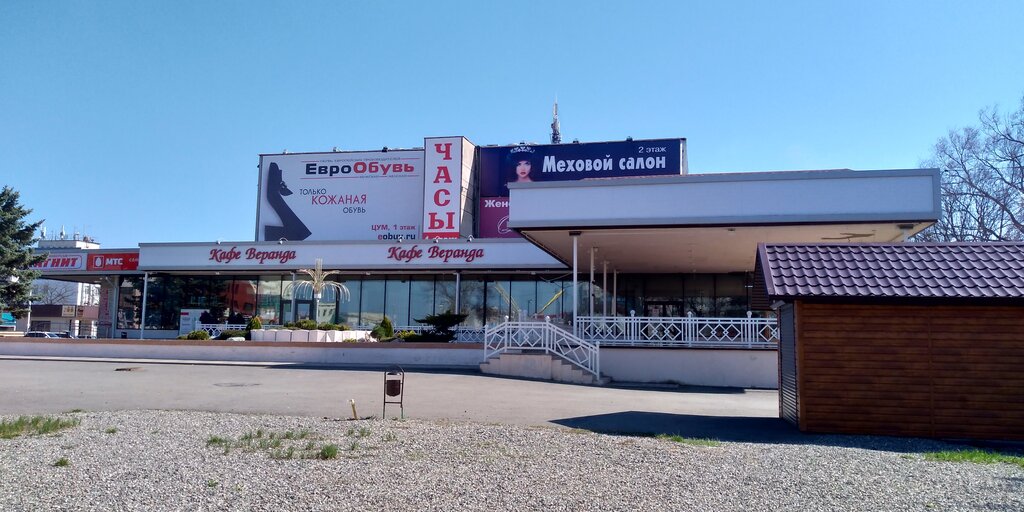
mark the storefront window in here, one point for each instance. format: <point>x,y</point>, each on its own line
<point>348,311</point>
<point>549,299</point>
<point>128,304</point>
<point>397,300</point>
<point>421,298</point>
<point>524,300</point>
<point>699,293</point>
<point>268,304</point>
<point>243,298</point>
<point>471,302</point>
<point>498,302</point>
<point>731,295</point>
<point>372,303</point>
<point>444,294</point>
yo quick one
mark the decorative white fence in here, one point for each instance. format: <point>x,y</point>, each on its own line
<point>215,330</point>
<point>542,337</point>
<point>462,334</point>
<point>637,331</point>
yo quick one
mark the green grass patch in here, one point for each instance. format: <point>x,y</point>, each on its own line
<point>329,451</point>
<point>212,483</point>
<point>72,411</point>
<point>692,441</point>
<point>61,462</point>
<point>111,430</point>
<point>976,456</point>
<point>34,425</point>
<point>290,444</point>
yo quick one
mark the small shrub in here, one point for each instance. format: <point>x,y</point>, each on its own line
<point>111,430</point>
<point>403,335</point>
<point>387,327</point>
<point>377,333</point>
<point>61,462</point>
<point>350,340</point>
<point>306,324</point>
<point>198,335</point>
<point>329,451</point>
<point>288,325</point>
<point>442,327</point>
<point>232,334</point>
<point>254,323</point>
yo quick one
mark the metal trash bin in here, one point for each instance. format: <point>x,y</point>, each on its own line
<point>394,386</point>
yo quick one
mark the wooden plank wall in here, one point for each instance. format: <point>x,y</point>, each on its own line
<point>947,371</point>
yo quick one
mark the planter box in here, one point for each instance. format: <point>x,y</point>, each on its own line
<point>300,335</point>
<point>258,334</point>
<point>318,336</point>
<point>282,335</point>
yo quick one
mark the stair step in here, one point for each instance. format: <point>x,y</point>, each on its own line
<point>538,366</point>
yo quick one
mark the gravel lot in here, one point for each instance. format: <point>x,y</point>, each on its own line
<point>160,460</point>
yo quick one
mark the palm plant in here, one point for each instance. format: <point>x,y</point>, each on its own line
<point>318,283</point>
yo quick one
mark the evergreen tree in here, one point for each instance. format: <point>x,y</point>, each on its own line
<point>16,254</point>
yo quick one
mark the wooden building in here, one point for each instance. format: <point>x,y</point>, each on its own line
<point>899,339</point>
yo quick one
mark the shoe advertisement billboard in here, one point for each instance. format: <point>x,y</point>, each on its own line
<point>372,195</point>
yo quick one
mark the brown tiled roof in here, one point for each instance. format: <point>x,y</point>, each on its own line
<point>907,270</point>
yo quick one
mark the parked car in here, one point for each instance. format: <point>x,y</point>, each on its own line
<point>40,334</point>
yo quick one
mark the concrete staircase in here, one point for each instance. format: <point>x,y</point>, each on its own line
<point>538,366</point>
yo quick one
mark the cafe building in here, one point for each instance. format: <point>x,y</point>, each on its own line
<point>616,243</point>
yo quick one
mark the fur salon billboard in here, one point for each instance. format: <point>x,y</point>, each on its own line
<point>373,195</point>
<point>499,166</point>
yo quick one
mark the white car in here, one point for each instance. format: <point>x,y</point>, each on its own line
<point>40,334</point>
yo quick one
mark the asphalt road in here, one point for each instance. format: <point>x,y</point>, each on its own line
<point>35,386</point>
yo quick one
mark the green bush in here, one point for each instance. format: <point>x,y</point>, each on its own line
<point>405,334</point>
<point>232,334</point>
<point>387,327</point>
<point>377,333</point>
<point>306,324</point>
<point>197,335</point>
<point>442,327</point>
<point>254,323</point>
<point>327,326</point>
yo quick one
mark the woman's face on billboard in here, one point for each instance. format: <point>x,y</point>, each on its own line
<point>523,169</point>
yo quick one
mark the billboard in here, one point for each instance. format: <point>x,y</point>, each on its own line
<point>374,195</point>
<point>447,162</point>
<point>57,262</point>
<point>499,166</point>
<point>113,261</point>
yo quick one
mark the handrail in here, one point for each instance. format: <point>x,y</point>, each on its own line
<point>542,337</point>
<point>635,331</point>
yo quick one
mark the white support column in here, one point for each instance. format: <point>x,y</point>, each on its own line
<point>615,293</point>
<point>142,321</point>
<point>604,288</point>
<point>295,314</point>
<point>575,279</point>
<point>590,284</point>
<point>458,291</point>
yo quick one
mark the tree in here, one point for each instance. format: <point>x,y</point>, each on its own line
<point>982,179</point>
<point>16,255</point>
<point>54,292</point>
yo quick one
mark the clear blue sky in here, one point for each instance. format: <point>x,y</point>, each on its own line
<point>142,121</point>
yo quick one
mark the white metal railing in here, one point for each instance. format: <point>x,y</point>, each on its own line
<point>638,331</point>
<point>462,334</point>
<point>542,337</point>
<point>215,330</point>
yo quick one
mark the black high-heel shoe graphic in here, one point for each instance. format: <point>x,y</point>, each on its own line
<point>291,227</point>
